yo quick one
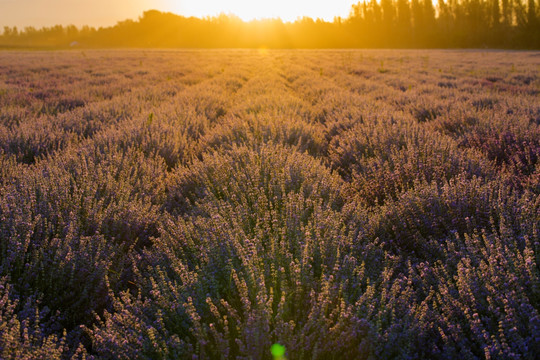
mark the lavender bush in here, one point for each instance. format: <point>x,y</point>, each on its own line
<point>208,204</point>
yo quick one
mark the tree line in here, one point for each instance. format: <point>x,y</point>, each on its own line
<point>382,23</point>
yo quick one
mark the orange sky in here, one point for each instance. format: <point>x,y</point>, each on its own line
<point>40,13</point>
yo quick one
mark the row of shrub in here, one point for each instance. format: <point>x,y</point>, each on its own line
<point>211,204</point>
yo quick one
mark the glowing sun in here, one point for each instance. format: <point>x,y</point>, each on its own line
<point>287,10</point>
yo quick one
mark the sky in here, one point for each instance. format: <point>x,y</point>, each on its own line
<point>98,13</point>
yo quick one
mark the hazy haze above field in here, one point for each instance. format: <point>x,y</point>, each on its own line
<point>40,13</point>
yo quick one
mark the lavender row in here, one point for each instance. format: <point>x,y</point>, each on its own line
<point>208,204</point>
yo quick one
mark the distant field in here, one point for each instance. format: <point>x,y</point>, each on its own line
<point>208,204</point>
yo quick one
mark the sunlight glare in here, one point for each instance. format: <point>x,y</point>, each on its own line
<point>287,10</point>
<point>263,51</point>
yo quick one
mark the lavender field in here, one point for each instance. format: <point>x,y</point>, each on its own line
<point>208,204</point>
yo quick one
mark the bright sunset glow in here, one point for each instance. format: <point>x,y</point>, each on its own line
<point>39,13</point>
<point>287,10</point>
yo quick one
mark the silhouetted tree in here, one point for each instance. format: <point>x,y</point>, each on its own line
<point>371,23</point>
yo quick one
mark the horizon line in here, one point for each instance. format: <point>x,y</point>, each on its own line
<point>230,15</point>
